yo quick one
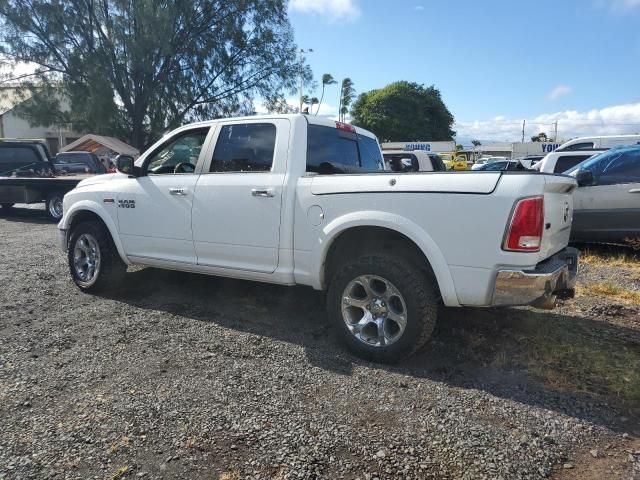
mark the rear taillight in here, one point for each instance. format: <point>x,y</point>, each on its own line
<point>525,229</point>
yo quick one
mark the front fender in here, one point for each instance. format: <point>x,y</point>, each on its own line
<point>400,224</point>
<point>94,207</point>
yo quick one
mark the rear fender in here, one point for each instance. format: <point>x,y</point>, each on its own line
<point>392,222</point>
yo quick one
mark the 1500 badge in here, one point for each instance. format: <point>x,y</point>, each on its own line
<point>126,204</point>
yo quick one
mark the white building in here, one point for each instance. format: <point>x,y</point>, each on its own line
<point>517,149</point>
<point>14,126</point>
<point>426,146</point>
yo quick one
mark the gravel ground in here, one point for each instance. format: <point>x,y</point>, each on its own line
<point>187,376</point>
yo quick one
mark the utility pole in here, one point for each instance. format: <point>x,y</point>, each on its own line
<point>301,58</point>
<point>555,131</point>
<point>524,122</point>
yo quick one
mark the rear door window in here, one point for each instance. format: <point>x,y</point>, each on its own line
<point>244,147</point>
<point>565,162</point>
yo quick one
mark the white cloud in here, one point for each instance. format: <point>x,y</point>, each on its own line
<point>624,5</point>
<point>334,9</point>
<point>613,120</point>
<point>559,92</point>
<point>418,8</point>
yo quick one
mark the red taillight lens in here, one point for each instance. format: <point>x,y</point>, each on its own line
<point>525,230</point>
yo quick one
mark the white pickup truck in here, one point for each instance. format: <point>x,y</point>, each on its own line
<point>301,200</point>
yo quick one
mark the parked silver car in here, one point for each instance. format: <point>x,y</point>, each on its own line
<point>607,203</point>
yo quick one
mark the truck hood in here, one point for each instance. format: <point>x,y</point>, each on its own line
<point>97,179</point>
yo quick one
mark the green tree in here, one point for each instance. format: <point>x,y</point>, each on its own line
<point>476,143</point>
<point>327,79</point>
<point>135,68</point>
<point>347,94</point>
<point>404,111</point>
<point>541,137</point>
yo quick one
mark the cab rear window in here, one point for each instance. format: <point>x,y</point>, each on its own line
<point>332,150</point>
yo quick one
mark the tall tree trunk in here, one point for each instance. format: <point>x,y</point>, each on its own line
<point>321,97</point>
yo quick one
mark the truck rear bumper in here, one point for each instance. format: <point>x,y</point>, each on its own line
<point>539,287</point>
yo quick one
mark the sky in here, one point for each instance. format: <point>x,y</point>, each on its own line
<point>496,62</point>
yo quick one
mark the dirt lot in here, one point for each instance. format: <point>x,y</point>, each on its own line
<point>186,376</point>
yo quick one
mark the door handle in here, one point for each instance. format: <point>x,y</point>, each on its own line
<point>267,192</point>
<point>178,191</point>
<point>634,190</point>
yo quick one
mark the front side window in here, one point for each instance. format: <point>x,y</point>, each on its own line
<point>245,147</point>
<point>622,167</point>
<point>179,154</point>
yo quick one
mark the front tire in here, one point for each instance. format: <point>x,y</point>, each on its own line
<point>384,306</point>
<point>54,206</point>
<point>94,262</point>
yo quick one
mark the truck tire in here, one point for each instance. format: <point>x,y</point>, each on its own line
<point>384,306</point>
<point>53,205</point>
<point>94,262</point>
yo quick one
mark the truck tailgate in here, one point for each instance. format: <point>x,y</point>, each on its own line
<point>558,213</point>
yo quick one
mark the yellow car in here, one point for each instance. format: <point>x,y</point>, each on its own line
<point>453,161</point>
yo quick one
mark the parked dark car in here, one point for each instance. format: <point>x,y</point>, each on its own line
<point>78,162</point>
<point>607,201</point>
<point>501,165</point>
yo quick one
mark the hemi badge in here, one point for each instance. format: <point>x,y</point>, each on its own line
<point>109,200</point>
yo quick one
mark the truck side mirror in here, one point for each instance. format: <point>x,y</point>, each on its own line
<point>125,164</point>
<point>584,178</point>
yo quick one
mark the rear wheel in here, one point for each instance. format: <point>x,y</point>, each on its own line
<point>94,262</point>
<point>384,306</point>
<point>54,206</point>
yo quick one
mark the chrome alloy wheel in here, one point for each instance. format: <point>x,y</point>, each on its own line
<point>55,207</point>
<point>374,310</point>
<point>86,258</point>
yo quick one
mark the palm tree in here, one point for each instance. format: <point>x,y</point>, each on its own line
<point>327,79</point>
<point>347,94</point>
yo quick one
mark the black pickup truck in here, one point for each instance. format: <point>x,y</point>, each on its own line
<point>27,175</point>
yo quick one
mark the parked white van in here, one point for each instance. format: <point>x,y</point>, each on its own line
<point>598,143</point>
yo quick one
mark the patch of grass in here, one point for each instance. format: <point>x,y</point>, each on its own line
<point>563,353</point>
<point>120,472</point>
<point>609,289</point>
<point>611,258</point>
<point>567,356</point>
